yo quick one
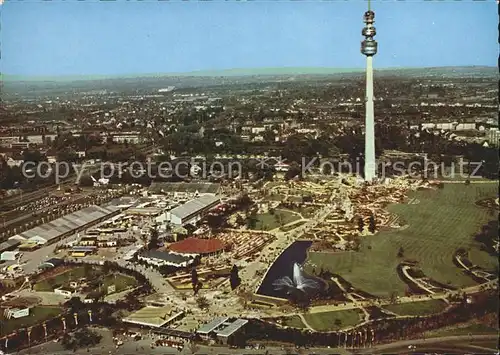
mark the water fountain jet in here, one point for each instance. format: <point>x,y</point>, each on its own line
<point>298,281</point>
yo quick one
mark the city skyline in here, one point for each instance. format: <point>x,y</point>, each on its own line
<point>120,38</point>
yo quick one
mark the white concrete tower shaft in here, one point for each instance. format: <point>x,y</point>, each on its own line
<point>369,49</point>
<point>370,163</point>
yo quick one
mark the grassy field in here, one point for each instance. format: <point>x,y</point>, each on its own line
<point>333,320</point>
<point>417,308</point>
<point>443,221</point>
<point>477,329</point>
<point>275,197</point>
<point>292,226</point>
<point>37,315</point>
<point>121,282</point>
<point>293,321</point>
<point>268,221</point>
<point>305,211</point>
<point>64,278</point>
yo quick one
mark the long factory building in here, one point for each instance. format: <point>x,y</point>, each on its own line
<point>69,224</point>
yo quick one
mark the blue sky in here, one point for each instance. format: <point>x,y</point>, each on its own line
<point>132,37</point>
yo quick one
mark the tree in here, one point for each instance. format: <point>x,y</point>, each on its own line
<point>361,224</point>
<point>393,297</point>
<point>372,225</point>
<point>88,270</point>
<point>106,267</point>
<point>401,252</point>
<point>252,222</point>
<point>97,296</point>
<point>75,304</point>
<point>193,347</point>
<point>153,238</point>
<point>195,280</point>
<point>234,278</point>
<point>278,217</point>
<point>239,220</point>
<point>202,302</point>
<point>52,282</point>
<point>82,338</point>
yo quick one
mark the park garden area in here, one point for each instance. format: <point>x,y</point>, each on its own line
<point>95,277</point>
<point>465,329</point>
<point>274,219</point>
<point>37,315</point>
<point>293,321</point>
<point>335,320</point>
<point>421,308</point>
<point>325,321</point>
<point>442,221</point>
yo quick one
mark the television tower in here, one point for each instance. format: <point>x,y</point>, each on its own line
<point>369,49</point>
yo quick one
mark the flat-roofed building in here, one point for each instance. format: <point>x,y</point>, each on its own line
<point>52,262</point>
<point>211,328</point>
<point>16,313</point>
<point>9,255</point>
<point>155,317</point>
<point>82,251</point>
<point>144,211</point>
<point>72,223</point>
<point>193,210</point>
<point>9,245</point>
<point>64,291</point>
<point>88,241</point>
<point>181,189</point>
<point>228,334</point>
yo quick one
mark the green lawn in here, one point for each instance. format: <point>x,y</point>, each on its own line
<point>477,329</point>
<point>268,221</point>
<point>305,211</point>
<point>275,197</point>
<point>293,321</point>
<point>443,221</point>
<point>292,226</point>
<point>64,278</point>
<point>121,282</point>
<point>417,308</point>
<point>327,321</point>
<point>37,315</point>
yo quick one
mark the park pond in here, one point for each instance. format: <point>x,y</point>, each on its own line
<point>284,267</point>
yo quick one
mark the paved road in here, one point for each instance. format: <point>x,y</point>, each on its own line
<point>443,344</point>
<point>450,344</point>
<point>143,347</point>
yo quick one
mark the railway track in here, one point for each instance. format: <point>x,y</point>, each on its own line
<point>10,203</point>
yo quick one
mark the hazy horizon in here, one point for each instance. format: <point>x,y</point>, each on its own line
<point>264,71</point>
